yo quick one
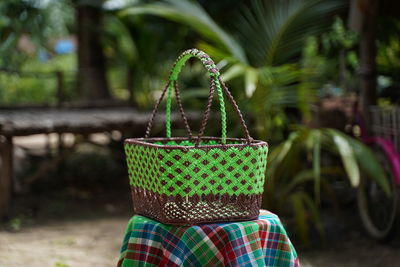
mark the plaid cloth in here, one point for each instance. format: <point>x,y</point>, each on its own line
<point>262,242</point>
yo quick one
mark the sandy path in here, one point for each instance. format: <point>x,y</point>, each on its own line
<point>71,243</point>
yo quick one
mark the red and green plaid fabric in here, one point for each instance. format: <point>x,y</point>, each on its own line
<point>262,242</point>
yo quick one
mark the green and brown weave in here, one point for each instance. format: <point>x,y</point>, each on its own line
<point>191,180</point>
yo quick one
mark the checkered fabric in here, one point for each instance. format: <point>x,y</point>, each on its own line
<point>262,242</point>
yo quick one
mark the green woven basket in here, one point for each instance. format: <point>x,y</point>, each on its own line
<point>191,180</point>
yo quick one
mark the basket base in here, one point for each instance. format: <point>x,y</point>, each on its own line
<point>196,209</point>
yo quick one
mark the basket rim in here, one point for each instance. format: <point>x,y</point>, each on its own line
<point>146,142</point>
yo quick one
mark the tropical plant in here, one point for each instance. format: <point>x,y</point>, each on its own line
<point>289,178</point>
<point>267,53</point>
<point>28,28</point>
<point>40,20</point>
<point>36,83</point>
<point>263,52</point>
<point>338,49</point>
<point>139,53</point>
<point>388,59</point>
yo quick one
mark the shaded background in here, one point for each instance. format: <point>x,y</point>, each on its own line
<point>296,68</point>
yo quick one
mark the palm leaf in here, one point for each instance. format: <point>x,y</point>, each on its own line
<point>124,40</point>
<point>347,155</point>
<point>368,163</point>
<point>251,81</point>
<point>300,216</point>
<point>193,15</point>
<point>234,71</point>
<point>305,210</point>
<point>275,31</point>
<point>316,161</point>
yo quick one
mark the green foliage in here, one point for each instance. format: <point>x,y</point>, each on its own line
<point>290,178</point>
<point>192,14</point>
<point>273,37</point>
<point>15,89</point>
<point>274,32</point>
<point>140,52</point>
<point>388,57</point>
<point>338,54</point>
<point>22,16</point>
<point>60,264</point>
<point>16,223</point>
<point>279,88</point>
<point>36,20</point>
<point>262,53</point>
<point>37,84</point>
<point>36,24</point>
<point>339,37</point>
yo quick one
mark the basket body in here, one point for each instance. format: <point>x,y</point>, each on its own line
<point>175,182</point>
<point>196,179</point>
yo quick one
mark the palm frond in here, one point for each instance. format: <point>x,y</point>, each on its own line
<point>367,162</point>
<point>191,14</point>
<point>290,172</point>
<point>344,149</point>
<point>274,31</point>
<point>305,210</point>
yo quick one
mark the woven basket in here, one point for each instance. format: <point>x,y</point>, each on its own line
<point>192,180</point>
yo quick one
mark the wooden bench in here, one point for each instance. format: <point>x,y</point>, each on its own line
<point>29,121</point>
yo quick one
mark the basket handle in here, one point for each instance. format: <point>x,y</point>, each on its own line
<point>215,83</point>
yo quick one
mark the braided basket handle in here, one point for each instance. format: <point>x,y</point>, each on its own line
<point>215,83</point>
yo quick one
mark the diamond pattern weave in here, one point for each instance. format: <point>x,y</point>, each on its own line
<point>197,171</point>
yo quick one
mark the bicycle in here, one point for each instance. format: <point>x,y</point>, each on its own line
<point>379,212</point>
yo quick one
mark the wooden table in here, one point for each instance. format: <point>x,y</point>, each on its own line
<point>29,121</point>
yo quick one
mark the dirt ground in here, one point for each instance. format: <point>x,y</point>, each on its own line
<point>64,231</point>
<point>353,252</point>
<point>89,233</point>
<point>80,222</point>
<point>71,243</point>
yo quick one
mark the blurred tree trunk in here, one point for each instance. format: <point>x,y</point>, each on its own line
<point>91,76</point>
<point>363,19</point>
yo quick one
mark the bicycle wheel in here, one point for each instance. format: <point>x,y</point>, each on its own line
<point>378,212</point>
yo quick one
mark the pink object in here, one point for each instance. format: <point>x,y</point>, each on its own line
<point>390,151</point>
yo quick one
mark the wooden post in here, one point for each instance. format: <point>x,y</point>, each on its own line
<point>91,79</point>
<point>6,174</point>
<point>363,19</point>
<point>60,143</point>
<point>368,61</point>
